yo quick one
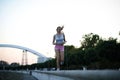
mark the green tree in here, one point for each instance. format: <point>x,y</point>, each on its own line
<point>3,64</point>
<point>90,40</point>
<point>109,53</point>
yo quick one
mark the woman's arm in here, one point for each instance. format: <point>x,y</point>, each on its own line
<point>54,40</point>
<point>64,38</point>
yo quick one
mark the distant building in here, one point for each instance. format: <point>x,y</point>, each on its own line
<point>42,59</point>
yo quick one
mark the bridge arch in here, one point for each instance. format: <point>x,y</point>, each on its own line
<point>22,48</point>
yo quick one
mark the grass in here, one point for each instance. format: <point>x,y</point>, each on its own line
<point>6,75</point>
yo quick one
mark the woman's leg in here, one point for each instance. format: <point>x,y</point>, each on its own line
<point>57,59</point>
<point>62,57</point>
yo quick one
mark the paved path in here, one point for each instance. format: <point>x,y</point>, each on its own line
<point>12,75</point>
<point>28,77</point>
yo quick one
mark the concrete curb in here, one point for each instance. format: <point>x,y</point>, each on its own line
<point>85,74</point>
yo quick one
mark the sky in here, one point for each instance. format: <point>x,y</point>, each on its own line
<point>32,24</point>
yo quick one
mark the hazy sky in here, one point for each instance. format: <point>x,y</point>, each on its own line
<point>32,23</point>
